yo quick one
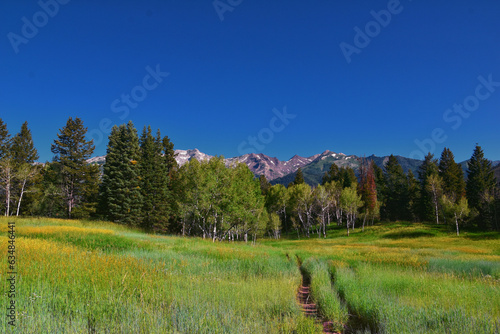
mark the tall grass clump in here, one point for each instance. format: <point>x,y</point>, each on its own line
<point>402,300</point>
<point>323,293</point>
<point>89,278</point>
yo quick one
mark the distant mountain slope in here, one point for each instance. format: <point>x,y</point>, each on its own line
<point>283,172</point>
<point>313,173</point>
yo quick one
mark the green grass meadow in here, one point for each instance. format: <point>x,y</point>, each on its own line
<point>98,277</point>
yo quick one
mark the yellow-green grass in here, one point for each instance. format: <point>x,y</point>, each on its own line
<point>79,277</point>
<point>146,284</point>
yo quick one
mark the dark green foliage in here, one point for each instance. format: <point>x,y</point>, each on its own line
<point>413,196</point>
<point>347,177</point>
<point>264,185</point>
<point>24,154</point>
<point>47,199</point>
<point>299,177</point>
<point>429,167</point>
<point>77,179</point>
<point>480,188</point>
<point>453,176</point>
<point>153,171</point>
<point>331,175</point>
<point>396,196</point>
<point>120,196</point>
<point>4,140</point>
<point>22,149</point>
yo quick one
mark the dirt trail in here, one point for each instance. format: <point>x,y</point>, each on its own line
<point>307,306</point>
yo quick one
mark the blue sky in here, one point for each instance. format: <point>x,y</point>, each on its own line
<point>296,77</point>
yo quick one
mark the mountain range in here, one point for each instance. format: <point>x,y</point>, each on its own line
<point>283,172</point>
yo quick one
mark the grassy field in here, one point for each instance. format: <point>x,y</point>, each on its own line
<point>98,277</point>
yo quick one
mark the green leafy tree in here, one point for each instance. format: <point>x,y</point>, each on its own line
<point>302,204</point>
<point>275,225</point>
<point>276,201</point>
<point>120,196</point>
<point>323,203</point>
<point>434,187</point>
<point>77,179</point>
<point>457,211</point>
<point>6,181</point>
<point>350,201</point>
<point>452,175</point>
<point>480,188</point>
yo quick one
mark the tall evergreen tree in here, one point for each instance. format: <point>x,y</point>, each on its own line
<point>397,190</point>
<point>452,175</point>
<point>347,177</point>
<point>154,182</point>
<point>4,140</point>
<point>23,150</point>
<point>120,195</point>
<point>24,155</point>
<point>381,183</point>
<point>6,167</point>
<point>331,175</point>
<point>78,179</point>
<point>299,178</point>
<point>480,187</point>
<point>428,168</point>
<point>264,185</point>
<point>413,196</point>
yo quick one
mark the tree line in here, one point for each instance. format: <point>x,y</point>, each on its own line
<point>141,185</point>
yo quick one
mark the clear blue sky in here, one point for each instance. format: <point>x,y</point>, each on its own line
<point>226,76</point>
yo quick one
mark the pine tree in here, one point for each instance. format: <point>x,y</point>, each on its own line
<point>452,175</point>
<point>24,155</point>
<point>347,177</point>
<point>413,195</point>
<point>154,182</point>
<point>77,179</point>
<point>299,178</point>
<point>331,175</point>
<point>381,183</point>
<point>120,195</point>
<point>264,184</point>
<point>6,167</point>
<point>480,187</point>
<point>23,150</point>
<point>397,190</point>
<point>429,167</point>
<point>4,140</point>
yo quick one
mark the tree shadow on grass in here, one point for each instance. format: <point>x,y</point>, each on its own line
<point>408,234</point>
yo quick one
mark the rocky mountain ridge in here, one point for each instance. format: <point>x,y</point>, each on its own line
<point>283,172</point>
